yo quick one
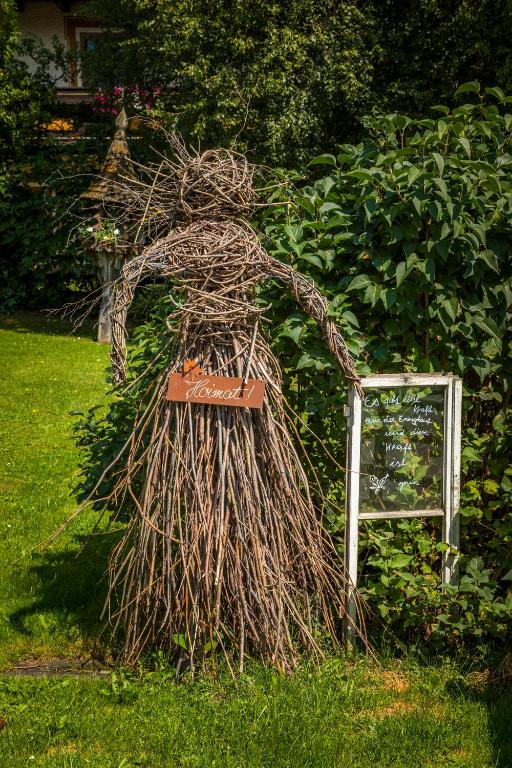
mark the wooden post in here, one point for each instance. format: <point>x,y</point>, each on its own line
<point>451,519</point>
<point>352,510</point>
<point>108,266</point>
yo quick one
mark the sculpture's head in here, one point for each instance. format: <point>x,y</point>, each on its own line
<point>215,184</point>
<point>184,186</point>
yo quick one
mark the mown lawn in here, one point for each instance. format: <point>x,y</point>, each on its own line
<point>345,715</point>
<point>49,600</point>
<point>349,714</point>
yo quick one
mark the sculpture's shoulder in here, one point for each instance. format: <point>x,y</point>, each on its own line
<point>205,234</point>
<point>226,241</point>
<point>219,229</point>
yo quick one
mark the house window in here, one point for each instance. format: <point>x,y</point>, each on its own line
<point>82,36</point>
<point>86,43</point>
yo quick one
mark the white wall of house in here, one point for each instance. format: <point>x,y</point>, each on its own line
<point>45,20</point>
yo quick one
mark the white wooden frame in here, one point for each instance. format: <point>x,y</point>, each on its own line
<point>451,479</point>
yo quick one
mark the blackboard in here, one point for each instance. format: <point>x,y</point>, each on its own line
<point>403,460</point>
<point>402,443</point>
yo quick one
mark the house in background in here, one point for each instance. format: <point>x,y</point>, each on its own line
<point>69,22</point>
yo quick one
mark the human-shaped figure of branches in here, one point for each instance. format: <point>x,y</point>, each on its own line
<point>225,546</point>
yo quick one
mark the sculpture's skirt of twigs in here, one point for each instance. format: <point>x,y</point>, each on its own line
<point>225,548</point>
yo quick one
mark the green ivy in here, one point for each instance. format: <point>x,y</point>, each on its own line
<point>42,260</point>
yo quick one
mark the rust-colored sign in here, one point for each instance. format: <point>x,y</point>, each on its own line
<point>215,390</point>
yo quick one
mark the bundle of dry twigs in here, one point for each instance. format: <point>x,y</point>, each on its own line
<point>225,547</point>
<point>182,184</point>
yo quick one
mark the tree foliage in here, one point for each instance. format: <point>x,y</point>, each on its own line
<point>27,98</point>
<point>285,78</point>
<point>429,47</point>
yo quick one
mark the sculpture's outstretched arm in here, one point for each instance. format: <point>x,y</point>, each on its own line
<point>315,305</point>
<point>124,289</point>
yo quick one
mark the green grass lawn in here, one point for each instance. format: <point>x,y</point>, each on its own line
<point>348,714</point>
<point>50,600</point>
<point>344,716</point>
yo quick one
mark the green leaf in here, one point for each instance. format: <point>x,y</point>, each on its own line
<point>312,259</point>
<point>305,361</point>
<point>417,204</point>
<point>442,127</point>
<point>388,298</point>
<point>359,282</point>
<point>445,230</point>
<point>361,174</point>
<point>488,325</point>
<point>372,293</point>
<point>471,87</point>
<point>471,454</point>
<point>180,640</point>
<point>439,162</point>
<point>400,561</point>
<point>441,183</point>
<point>293,327</point>
<point>324,160</point>
<point>400,273</point>
<point>465,145</point>
<point>306,204</point>
<point>350,318</point>
<point>412,174</point>
<point>490,259</point>
<point>370,207</point>
<point>329,206</point>
<point>451,307</point>
<point>491,487</point>
<point>496,92</point>
<point>506,484</point>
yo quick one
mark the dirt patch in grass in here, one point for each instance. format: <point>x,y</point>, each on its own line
<point>394,681</point>
<point>62,749</point>
<point>396,708</point>
<point>57,668</point>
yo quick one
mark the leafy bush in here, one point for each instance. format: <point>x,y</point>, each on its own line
<point>27,98</point>
<point>409,234</point>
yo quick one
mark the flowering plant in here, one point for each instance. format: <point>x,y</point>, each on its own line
<point>133,96</point>
<point>105,232</point>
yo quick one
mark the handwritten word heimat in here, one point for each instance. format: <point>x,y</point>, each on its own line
<point>202,389</point>
<point>216,390</point>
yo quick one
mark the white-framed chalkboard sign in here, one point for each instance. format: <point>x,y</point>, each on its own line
<point>403,460</point>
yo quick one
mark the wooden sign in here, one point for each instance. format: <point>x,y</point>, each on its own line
<point>215,390</point>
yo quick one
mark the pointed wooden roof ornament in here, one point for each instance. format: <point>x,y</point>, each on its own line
<point>108,186</point>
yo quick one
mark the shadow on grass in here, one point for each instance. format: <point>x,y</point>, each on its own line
<point>71,590</point>
<point>48,324</point>
<point>498,701</point>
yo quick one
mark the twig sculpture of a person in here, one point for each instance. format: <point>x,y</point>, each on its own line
<point>225,547</point>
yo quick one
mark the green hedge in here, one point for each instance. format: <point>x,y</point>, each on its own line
<point>42,260</point>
